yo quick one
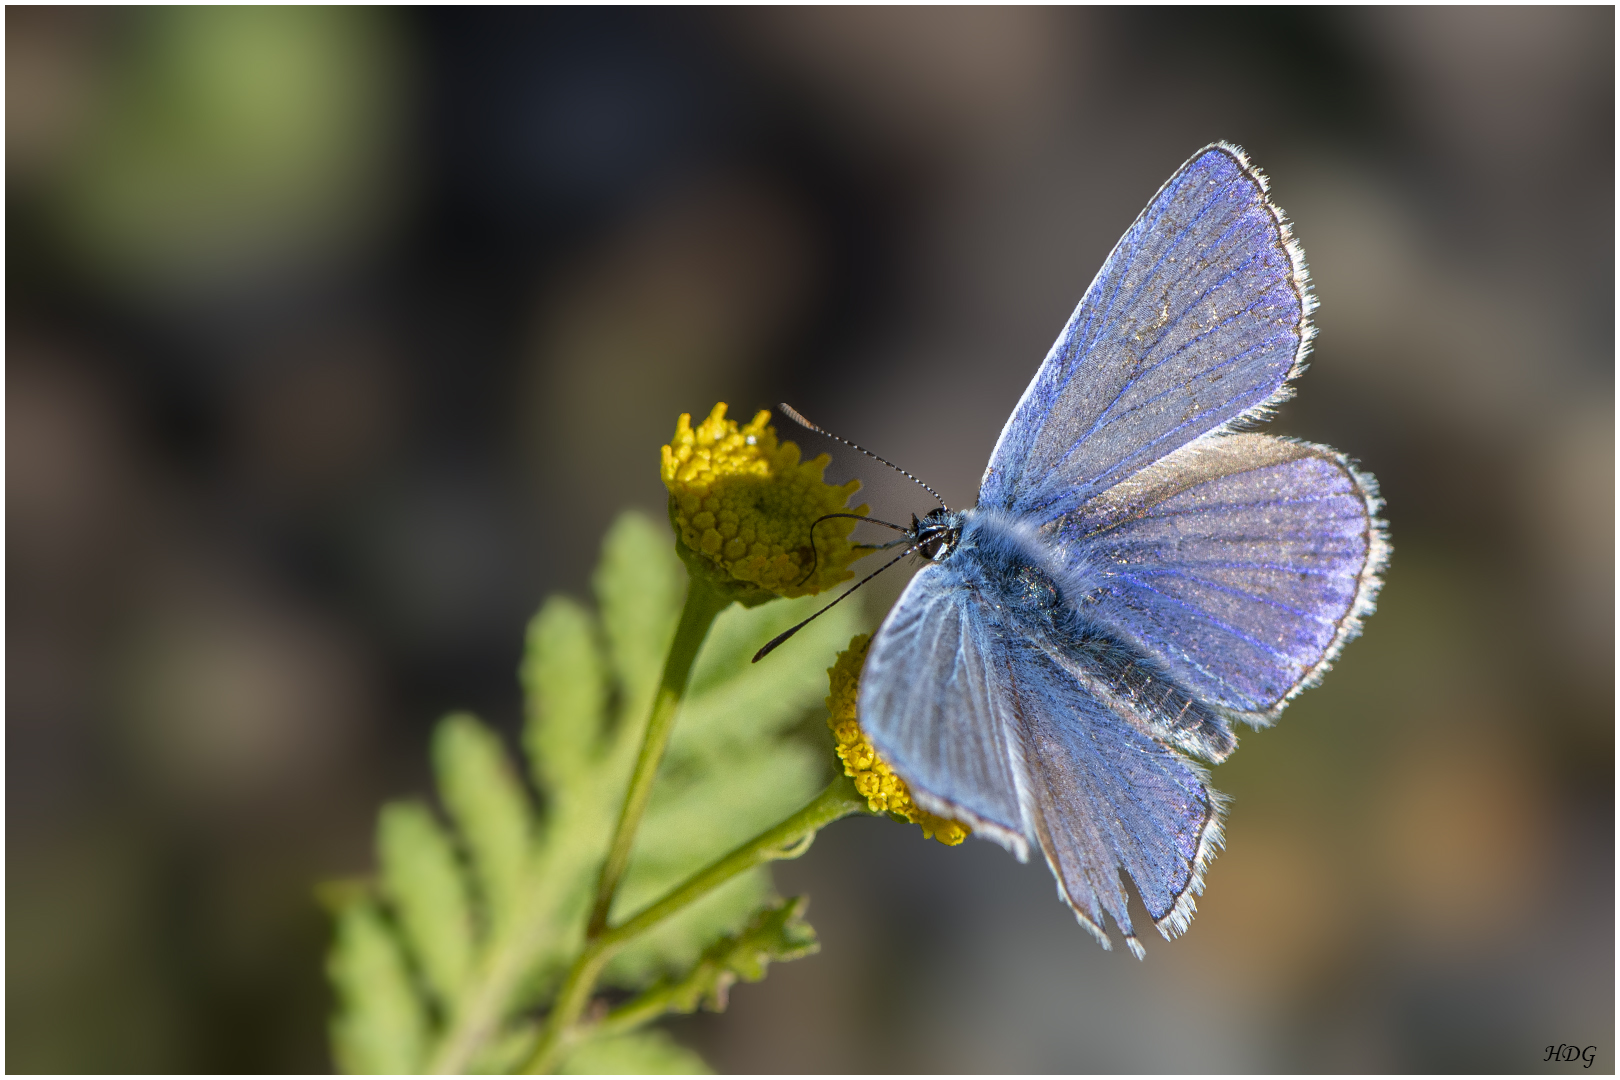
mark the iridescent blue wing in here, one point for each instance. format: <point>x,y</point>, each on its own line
<point>1243,563</point>
<point>926,704</point>
<point>1197,320</point>
<point>1105,796</point>
<point>991,725</point>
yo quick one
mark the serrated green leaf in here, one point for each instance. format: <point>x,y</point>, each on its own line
<point>507,1051</point>
<point>734,701</point>
<point>489,806</point>
<point>697,822</point>
<point>381,1026</point>
<point>641,1053</point>
<point>425,885</point>
<point>736,765</point>
<point>580,772</point>
<point>639,587</point>
<point>777,933</point>
<point>678,942</point>
<point>731,771</point>
<point>565,686</point>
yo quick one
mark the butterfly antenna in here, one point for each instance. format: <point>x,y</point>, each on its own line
<point>815,552</point>
<point>798,418</point>
<point>790,631</point>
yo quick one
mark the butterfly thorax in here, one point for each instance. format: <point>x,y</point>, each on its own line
<point>1015,568</point>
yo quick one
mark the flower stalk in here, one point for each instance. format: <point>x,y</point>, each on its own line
<point>787,840</point>
<point>703,604</point>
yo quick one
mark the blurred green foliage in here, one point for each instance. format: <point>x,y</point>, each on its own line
<point>445,959</point>
<point>224,135</point>
<point>641,1053</point>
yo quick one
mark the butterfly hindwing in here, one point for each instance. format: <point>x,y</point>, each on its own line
<point>1105,796</point>
<point>1242,563</point>
<point>1197,320</point>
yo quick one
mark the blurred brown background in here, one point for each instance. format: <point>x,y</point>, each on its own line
<point>336,338</point>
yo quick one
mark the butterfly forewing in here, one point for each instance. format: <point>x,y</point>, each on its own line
<point>1197,319</point>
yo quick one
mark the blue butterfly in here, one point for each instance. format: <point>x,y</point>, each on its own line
<point>1138,573</point>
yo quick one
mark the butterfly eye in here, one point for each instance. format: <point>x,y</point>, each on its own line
<point>938,543</point>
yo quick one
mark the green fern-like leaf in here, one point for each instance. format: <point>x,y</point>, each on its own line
<point>642,1053</point>
<point>481,790</point>
<point>778,933</point>
<point>381,1026</point>
<point>475,917</point>
<point>429,894</point>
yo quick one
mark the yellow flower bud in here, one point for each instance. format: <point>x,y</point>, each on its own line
<point>742,505</point>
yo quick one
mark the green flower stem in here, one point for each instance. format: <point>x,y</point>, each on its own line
<point>787,840</point>
<point>703,603</point>
<point>477,1016</point>
<point>647,1006</point>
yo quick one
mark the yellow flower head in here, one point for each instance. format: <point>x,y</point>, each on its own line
<point>884,791</point>
<point>743,503</point>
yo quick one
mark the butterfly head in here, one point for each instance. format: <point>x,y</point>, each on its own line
<point>936,535</point>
